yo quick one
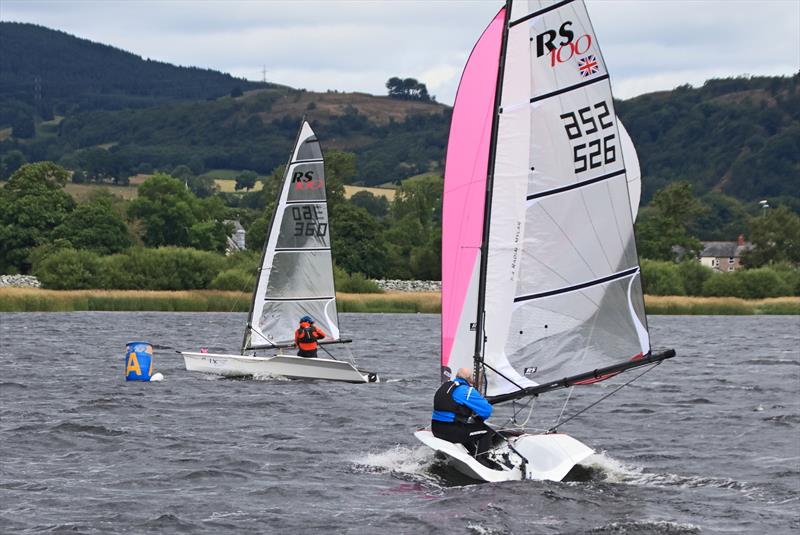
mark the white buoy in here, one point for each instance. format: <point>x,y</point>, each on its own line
<point>158,376</point>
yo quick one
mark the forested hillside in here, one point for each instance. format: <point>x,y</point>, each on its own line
<point>123,115</point>
<point>739,136</point>
<point>46,72</point>
<point>393,139</point>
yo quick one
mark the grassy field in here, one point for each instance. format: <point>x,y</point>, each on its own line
<point>223,180</point>
<point>80,192</point>
<point>227,185</point>
<point>389,193</point>
<point>37,300</point>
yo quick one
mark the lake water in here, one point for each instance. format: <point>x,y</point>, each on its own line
<point>705,443</point>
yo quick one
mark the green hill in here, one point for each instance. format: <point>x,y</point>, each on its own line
<point>124,115</point>
<point>75,74</point>
<point>738,136</point>
<point>393,139</point>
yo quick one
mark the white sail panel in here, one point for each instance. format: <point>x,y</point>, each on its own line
<point>576,236</point>
<point>301,275</point>
<point>296,275</point>
<point>562,283</point>
<point>588,325</point>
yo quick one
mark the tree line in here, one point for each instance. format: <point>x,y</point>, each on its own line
<point>107,242</point>
<point>737,137</point>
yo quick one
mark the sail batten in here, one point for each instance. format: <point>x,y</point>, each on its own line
<point>323,298</point>
<point>563,90</point>
<point>540,12</point>
<point>576,287</point>
<point>588,182</point>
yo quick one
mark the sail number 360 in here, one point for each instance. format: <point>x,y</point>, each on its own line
<point>306,221</point>
<point>585,122</point>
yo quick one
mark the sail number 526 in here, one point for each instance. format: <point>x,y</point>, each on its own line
<point>585,122</point>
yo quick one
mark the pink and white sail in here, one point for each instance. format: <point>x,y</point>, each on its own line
<point>562,282</point>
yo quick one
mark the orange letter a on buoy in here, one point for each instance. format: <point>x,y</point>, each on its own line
<point>133,364</point>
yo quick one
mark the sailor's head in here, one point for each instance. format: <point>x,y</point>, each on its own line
<point>306,319</point>
<point>466,374</point>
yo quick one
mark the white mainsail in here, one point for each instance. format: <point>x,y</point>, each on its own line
<point>561,284</point>
<point>296,274</point>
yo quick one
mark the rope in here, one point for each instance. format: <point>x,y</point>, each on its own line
<point>512,422</point>
<point>560,414</point>
<point>555,427</point>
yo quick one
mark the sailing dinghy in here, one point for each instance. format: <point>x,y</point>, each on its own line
<point>295,279</point>
<point>541,285</point>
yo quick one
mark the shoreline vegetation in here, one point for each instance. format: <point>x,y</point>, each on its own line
<point>40,300</point>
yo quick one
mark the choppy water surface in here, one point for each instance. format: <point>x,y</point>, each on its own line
<point>705,443</point>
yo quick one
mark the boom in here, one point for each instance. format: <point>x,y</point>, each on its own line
<point>566,382</point>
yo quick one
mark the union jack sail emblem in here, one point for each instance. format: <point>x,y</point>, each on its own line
<point>588,66</point>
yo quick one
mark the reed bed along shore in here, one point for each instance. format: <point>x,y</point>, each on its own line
<point>38,300</point>
<point>719,306</point>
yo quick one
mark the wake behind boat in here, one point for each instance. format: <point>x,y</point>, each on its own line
<point>540,274</point>
<point>295,280</point>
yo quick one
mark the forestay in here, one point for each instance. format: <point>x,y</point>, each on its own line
<point>296,274</point>
<point>562,282</point>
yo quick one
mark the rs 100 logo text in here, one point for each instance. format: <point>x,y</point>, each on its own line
<point>562,45</point>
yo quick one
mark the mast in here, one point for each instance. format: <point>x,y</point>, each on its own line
<point>480,322</point>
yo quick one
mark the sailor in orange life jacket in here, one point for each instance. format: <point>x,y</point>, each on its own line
<point>305,337</point>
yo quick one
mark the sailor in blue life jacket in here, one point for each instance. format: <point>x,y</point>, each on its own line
<point>306,336</point>
<point>458,414</point>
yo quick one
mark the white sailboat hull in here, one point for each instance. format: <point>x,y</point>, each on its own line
<point>549,457</point>
<point>277,365</point>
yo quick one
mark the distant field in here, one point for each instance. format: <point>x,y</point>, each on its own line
<point>389,193</point>
<point>229,186</point>
<point>135,180</point>
<point>82,191</point>
<point>324,106</point>
<point>229,174</point>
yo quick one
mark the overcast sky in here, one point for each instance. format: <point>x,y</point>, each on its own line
<point>649,45</point>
